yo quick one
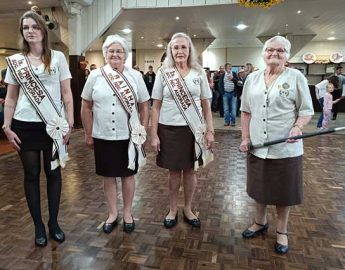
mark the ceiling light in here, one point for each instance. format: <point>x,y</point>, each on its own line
<point>332,32</point>
<point>278,33</point>
<point>177,18</point>
<point>159,45</point>
<point>241,26</point>
<point>142,37</point>
<point>126,30</point>
<point>194,35</point>
<point>30,2</point>
<point>331,38</point>
<point>299,11</point>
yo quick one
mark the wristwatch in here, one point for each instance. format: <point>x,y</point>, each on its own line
<point>4,126</point>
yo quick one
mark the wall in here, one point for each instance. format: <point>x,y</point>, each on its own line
<point>147,58</point>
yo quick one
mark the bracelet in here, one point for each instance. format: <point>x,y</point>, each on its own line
<point>299,126</point>
<point>210,131</point>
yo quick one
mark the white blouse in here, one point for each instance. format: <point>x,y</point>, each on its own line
<point>59,72</point>
<point>198,87</point>
<point>110,119</point>
<point>274,111</point>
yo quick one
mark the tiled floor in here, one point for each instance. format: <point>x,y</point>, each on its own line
<point>316,228</point>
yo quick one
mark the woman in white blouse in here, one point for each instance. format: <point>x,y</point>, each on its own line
<point>25,128</point>
<point>105,121</point>
<point>171,136</point>
<point>276,103</point>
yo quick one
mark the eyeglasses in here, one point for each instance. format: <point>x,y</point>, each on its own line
<point>34,28</point>
<point>272,50</point>
<point>182,48</point>
<point>115,51</point>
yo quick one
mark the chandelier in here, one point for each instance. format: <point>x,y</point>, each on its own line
<point>259,3</point>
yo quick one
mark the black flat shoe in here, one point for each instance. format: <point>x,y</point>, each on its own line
<point>40,237</point>
<point>108,227</point>
<point>196,223</point>
<point>251,234</point>
<point>279,248</point>
<point>169,223</point>
<point>128,227</point>
<point>56,233</point>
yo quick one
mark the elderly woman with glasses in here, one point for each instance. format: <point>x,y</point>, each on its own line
<point>115,116</point>
<point>276,103</point>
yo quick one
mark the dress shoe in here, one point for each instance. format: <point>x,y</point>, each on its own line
<point>279,248</point>
<point>56,233</point>
<point>196,223</point>
<point>40,237</point>
<point>169,223</point>
<point>128,227</point>
<point>226,124</point>
<point>108,227</point>
<point>251,234</point>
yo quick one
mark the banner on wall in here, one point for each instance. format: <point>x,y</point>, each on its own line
<point>311,58</point>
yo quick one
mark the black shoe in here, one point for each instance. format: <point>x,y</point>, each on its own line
<point>251,234</point>
<point>128,227</point>
<point>169,223</point>
<point>279,248</point>
<point>108,227</point>
<point>56,233</point>
<point>196,223</point>
<point>40,237</point>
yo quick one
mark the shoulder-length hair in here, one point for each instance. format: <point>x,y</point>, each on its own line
<point>281,40</point>
<point>333,79</point>
<point>115,39</point>
<point>24,45</point>
<point>192,60</point>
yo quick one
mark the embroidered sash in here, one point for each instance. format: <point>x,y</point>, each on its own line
<point>125,93</point>
<point>190,113</point>
<point>44,105</point>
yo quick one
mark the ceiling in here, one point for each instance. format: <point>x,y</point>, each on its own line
<point>324,18</point>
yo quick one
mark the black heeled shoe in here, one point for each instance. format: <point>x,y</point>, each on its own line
<point>56,233</point>
<point>251,234</point>
<point>279,248</point>
<point>196,223</point>
<point>170,223</point>
<point>40,237</point>
<point>128,227</point>
<point>108,227</point>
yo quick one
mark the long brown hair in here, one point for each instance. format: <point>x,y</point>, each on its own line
<point>24,45</point>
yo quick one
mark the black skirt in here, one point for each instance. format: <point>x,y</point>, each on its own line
<point>275,181</point>
<point>176,148</point>
<point>111,158</point>
<point>33,135</point>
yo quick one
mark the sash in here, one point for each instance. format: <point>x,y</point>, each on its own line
<point>125,93</point>
<point>190,113</point>
<point>44,105</point>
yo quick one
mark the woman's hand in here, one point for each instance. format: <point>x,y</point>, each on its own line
<point>244,146</point>
<point>12,138</point>
<point>156,144</point>
<point>295,131</point>
<point>209,140</point>
<point>89,141</point>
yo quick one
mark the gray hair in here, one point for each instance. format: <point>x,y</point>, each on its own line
<point>192,60</point>
<point>115,39</point>
<point>281,40</point>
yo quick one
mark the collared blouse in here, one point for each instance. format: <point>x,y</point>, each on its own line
<point>110,119</point>
<point>198,87</point>
<point>59,71</point>
<point>274,111</point>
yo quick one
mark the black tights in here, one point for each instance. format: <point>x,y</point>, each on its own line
<point>32,167</point>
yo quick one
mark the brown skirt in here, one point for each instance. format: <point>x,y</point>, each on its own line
<point>111,158</point>
<point>176,147</point>
<point>275,181</point>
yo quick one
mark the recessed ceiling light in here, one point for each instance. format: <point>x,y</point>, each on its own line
<point>30,2</point>
<point>153,42</point>
<point>299,11</point>
<point>126,30</point>
<point>331,38</point>
<point>159,45</point>
<point>142,37</point>
<point>287,24</point>
<point>177,18</point>
<point>194,35</point>
<point>241,26</point>
<point>278,33</point>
